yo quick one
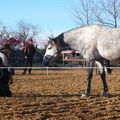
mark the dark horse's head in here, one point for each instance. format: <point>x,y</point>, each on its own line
<point>55,46</point>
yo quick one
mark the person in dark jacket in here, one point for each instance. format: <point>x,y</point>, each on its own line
<point>5,76</point>
<point>29,52</point>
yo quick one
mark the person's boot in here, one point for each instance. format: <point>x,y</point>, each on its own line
<point>29,73</point>
<point>24,73</point>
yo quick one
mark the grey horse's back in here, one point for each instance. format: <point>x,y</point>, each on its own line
<point>100,38</point>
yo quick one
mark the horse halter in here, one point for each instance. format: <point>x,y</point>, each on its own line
<point>60,46</point>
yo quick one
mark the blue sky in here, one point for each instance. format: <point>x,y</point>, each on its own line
<point>50,15</point>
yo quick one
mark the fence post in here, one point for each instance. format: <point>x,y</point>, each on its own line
<point>47,70</point>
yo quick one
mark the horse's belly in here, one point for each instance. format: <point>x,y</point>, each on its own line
<point>110,55</point>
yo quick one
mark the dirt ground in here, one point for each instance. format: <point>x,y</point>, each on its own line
<point>56,96</point>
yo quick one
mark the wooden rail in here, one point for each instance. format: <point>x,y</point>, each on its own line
<point>75,60</point>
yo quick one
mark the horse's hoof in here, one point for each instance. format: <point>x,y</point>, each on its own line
<point>105,94</point>
<point>84,96</point>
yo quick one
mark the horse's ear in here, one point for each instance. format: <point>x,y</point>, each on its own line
<point>50,38</point>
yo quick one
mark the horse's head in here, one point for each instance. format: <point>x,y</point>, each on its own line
<point>55,46</point>
<point>51,51</point>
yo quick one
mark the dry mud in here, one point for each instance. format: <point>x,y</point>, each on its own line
<point>56,96</point>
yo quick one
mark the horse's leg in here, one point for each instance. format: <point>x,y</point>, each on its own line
<point>103,77</point>
<point>109,70</point>
<point>105,87</point>
<point>89,78</point>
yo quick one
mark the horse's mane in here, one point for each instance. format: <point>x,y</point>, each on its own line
<point>59,40</point>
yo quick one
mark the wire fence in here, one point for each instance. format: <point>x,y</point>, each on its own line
<point>55,68</point>
<point>47,69</point>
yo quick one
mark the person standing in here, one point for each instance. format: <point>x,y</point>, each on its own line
<point>29,52</point>
<point>5,76</point>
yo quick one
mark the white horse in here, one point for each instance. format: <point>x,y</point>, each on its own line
<point>94,42</point>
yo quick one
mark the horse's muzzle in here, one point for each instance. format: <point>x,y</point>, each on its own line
<point>46,60</point>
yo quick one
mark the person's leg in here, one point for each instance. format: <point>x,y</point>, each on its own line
<point>26,65</point>
<point>30,63</point>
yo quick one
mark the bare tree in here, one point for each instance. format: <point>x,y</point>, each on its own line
<point>108,12</point>
<point>83,13</point>
<point>26,30</point>
<point>5,33</point>
<point>8,36</point>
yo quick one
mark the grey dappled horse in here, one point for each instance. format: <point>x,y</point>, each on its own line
<point>94,42</point>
